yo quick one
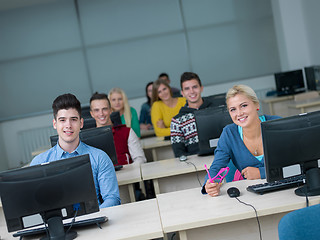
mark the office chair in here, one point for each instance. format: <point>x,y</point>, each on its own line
<point>301,224</point>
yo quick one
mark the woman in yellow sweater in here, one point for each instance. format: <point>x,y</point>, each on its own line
<point>164,107</point>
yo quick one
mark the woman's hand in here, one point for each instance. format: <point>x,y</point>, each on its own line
<point>160,124</point>
<point>213,189</point>
<point>251,173</point>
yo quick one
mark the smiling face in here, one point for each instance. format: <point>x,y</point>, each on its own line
<point>68,124</point>
<point>242,110</point>
<point>192,90</point>
<point>116,101</point>
<point>164,92</point>
<point>100,111</point>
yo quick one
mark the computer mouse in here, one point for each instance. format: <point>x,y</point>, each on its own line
<point>233,192</point>
<point>183,158</point>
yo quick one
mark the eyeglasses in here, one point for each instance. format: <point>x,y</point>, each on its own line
<point>220,176</point>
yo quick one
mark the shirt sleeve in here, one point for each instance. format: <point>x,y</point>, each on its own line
<point>156,114</point>
<point>177,139</point>
<point>108,183</point>
<point>135,149</point>
<point>135,122</point>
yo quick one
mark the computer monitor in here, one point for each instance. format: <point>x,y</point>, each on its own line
<point>48,193</point>
<point>89,123</point>
<point>288,83</point>
<point>217,99</point>
<point>101,138</point>
<point>291,147</point>
<point>210,123</point>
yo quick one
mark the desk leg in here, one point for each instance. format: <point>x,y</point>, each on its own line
<point>154,154</point>
<point>183,235</point>
<point>131,192</point>
<point>156,186</point>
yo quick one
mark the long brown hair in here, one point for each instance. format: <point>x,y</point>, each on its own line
<point>155,87</point>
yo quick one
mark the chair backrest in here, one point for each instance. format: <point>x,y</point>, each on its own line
<point>301,224</point>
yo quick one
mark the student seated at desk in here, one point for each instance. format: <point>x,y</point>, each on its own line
<point>119,103</point>
<point>68,122</point>
<point>145,112</point>
<point>241,141</point>
<point>164,107</point>
<point>126,142</point>
<point>184,134</point>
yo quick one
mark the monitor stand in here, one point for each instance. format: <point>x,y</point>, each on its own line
<point>56,230</point>
<point>312,186</point>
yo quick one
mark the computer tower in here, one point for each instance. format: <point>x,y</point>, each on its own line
<point>313,77</point>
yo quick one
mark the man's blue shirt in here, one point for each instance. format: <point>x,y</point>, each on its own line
<point>102,168</point>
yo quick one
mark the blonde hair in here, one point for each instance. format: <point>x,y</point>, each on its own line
<point>155,87</point>
<point>242,89</point>
<point>126,106</point>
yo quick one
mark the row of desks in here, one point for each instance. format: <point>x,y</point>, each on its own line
<point>194,216</point>
<point>167,175</point>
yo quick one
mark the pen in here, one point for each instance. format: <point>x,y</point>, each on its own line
<point>208,173</point>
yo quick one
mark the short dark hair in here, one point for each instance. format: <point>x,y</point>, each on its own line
<point>99,96</point>
<point>65,101</point>
<point>163,75</point>
<point>187,76</point>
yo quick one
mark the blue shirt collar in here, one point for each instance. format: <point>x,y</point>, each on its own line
<point>78,151</point>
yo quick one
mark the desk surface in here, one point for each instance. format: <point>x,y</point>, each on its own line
<point>154,142</point>
<point>174,166</point>
<point>189,209</point>
<point>305,103</point>
<point>130,173</point>
<point>139,220</point>
<point>277,99</point>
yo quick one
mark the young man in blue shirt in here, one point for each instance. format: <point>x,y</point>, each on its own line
<point>68,122</point>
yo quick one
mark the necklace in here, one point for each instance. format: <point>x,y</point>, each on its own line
<point>256,149</point>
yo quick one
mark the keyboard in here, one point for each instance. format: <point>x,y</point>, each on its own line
<point>76,224</point>
<point>290,182</point>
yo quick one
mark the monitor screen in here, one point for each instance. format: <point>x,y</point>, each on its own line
<point>101,138</point>
<point>48,193</point>
<point>288,83</point>
<point>291,147</point>
<point>210,123</point>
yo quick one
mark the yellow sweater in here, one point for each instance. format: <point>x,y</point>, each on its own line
<point>161,111</point>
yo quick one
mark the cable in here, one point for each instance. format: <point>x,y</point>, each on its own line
<point>196,172</point>
<point>173,236</point>
<point>72,222</point>
<point>256,215</point>
<point>306,193</point>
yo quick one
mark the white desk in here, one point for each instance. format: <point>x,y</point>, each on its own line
<point>160,149</point>
<point>126,177</point>
<point>198,216</point>
<point>139,220</point>
<point>277,105</point>
<point>173,174</point>
<point>309,105</point>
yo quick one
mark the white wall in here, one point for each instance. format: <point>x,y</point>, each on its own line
<point>290,15</point>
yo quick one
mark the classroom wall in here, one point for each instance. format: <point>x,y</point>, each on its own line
<point>297,15</point>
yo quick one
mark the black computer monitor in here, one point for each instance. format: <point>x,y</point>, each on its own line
<point>88,123</point>
<point>217,99</point>
<point>101,138</point>
<point>210,123</point>
<point>288,83</point>
<point>291,147</point>
<point>48,193</point>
